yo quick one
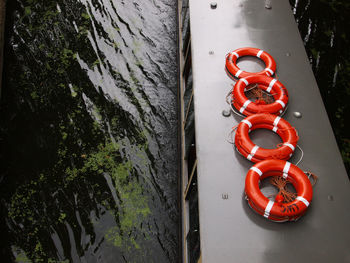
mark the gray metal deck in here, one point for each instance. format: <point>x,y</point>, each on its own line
<point>230,231</point>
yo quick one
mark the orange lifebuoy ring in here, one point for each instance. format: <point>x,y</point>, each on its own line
<point>278,211</point>
<point>235,72</point>
<point>268,84</point>
<point>275,123</point>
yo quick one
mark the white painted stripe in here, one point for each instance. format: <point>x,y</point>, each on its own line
<point>238,73</point>
<point>269,70</point>
<point>259,53</point>
<point>244,106</point>
<point>281,102</point>
<point>255,148</point>
<point>245,81</point>
<point>286,170</point>
<point>286,167</point>
<point>268,209</point>
<point>248,123</point>
<point>272,82</point>
<point>289,145</point>
<point>236,54</point>
<point>253,151</point>
<point>257,170</point>
<point>276,121</point>
<point>302,199</point>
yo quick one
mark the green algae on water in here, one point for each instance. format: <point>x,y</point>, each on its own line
<point>130,211</point>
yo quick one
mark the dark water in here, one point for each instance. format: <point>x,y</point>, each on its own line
<point>324,26</point>
<point>88,132</point>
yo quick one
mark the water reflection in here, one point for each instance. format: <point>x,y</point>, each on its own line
<point>88,132</point>
<point>323,26</point>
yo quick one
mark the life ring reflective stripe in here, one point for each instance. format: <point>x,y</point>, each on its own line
<point>275,123</point>
<point>278,211</point>
<point>268,84</point>
<point>235,72</point>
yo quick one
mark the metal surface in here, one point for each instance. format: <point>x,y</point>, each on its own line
<point>213,5</point>
<point>297,114</point>
<point>230,230</point>
<point>226,113</point>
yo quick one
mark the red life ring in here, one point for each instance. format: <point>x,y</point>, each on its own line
<point>275,123</point>
<point>278,211</point>
<point>235,72</point>
<point>268,84</point>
